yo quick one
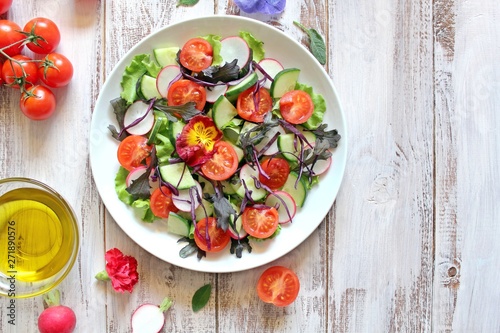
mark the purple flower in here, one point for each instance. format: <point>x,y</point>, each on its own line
<point>261,6</point>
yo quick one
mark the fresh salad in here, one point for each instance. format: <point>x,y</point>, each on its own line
<point>219,141</point>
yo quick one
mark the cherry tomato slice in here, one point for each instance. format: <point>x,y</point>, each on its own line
<point>277,169</point>
<point>196,54</point>
<point>260,222</point>
<point>184,91</point>
<point>12,71</point>
<point>217,237</point>
<point>46,29</point>
<point>161,202</point>
<point>222,164</point>
<point>296,106</point>
<point>132,151</point>
<point>246,104</point>
<point>278,285</point>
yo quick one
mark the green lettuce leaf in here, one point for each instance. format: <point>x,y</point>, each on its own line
<point>121,187</point>
<point>256,45</point>
<point>214,40</point>
<point>141,206</point>
<point>319,107</point>
<point>143,210</point>
<point>164,149</point>
<point>140,65</point>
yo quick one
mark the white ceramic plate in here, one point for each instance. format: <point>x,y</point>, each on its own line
<point>152,236</point>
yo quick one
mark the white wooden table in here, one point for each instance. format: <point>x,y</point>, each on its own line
<point>411,243</point>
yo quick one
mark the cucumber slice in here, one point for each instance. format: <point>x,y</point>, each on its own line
<point>175,129</point>
<point>166,55</point>
<point>223,112</point>
<point>233,92</point>
<point>199,212</point>
<point>298,192</point>
<point>227,188</point>
<point>178,225</point>
<point>178,175</point>
<point>238,150</point>
<point>156,128</point>
<point>232,134</point>
<point>206,186</point>
<point>284,82</point>
<point>290,148</point>
<point>148,87</point>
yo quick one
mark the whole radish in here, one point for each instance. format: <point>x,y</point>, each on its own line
<point>55,318</point>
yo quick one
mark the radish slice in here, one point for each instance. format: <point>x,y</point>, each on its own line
<point>271,67</point>
<point>165,78</point>
<point>154,183</point>
<point>273,149</point>
<point>149,318</point>
<point>134,174</point>
<point>321,166</point>
<point>213,93</point>
<point>239,233</point>
<point>136,111</point>
<point>273,200</point>
<point>235,47</point>
<point>183,200</point>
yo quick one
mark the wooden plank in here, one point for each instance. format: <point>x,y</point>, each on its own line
<point>309,260</point>
<point>380,272</point>
<point>467,193</point>
<point>158,279</point>
<point>61,140</point>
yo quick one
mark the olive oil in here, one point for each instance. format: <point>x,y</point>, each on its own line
<point>36,239</point>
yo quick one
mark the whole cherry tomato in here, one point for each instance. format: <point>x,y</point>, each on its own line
<point>5,6</point>
<point>48,30</point>
<point>56,70</point>
<point>38,103</point>
<point>10,36</point>
<point>21,70</point>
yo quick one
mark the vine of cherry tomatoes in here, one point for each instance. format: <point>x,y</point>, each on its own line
<point>33,76</point>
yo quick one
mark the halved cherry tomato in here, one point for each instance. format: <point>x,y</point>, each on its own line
<point>260,222</point>
<point>296,106</point>
<point>278,285</point>
<point>184,91</point>
<point>12,71</point>
<point>196,54</point>
<point>10,35</point>
<point>161,202</point>
<point>217,237</point>
<point>222,164</point>
<point>56,70</point>
<point>246,104</point>
<point>38,103</point>
<point>277,169</point>
<point>132,151</point>
<point>47,30</point>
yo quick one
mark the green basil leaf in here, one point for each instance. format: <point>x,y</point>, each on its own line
<point>201,297</point>
<point>188,3</point>
<point>316,43</point>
